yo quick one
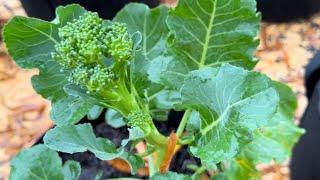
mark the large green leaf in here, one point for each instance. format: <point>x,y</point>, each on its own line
<point>40,162</point>
<point>276,139</point>
<point>232,103</point>
<point>150,23</point>
<point>30,43</point>
<point>212,32</point>
<point>262,150</point>
<point>81,138</point>
<point>208,33</point>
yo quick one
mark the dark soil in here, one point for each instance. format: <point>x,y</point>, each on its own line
<point>91,166</point>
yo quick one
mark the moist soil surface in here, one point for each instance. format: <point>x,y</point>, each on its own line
<point>91,166</point>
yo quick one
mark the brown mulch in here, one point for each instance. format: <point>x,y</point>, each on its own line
<point>283,54</point>
<point>24,115</point>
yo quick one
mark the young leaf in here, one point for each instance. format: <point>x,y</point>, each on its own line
<point>194,122</point>
<point>151,24</point>
<point>275,141</point>
<point>71,170</point>
<point>232,103</point>
<point>134,134</point>
<point>81,138</point>
<point>65,14</point>
<point>40,162</point>
<point>114,119</point>
<point>212,32</point>
<point>138,73</point>
<point>94,112</point>
<point>69,110</point>
<point>170,175</point>
<point>99,176</point>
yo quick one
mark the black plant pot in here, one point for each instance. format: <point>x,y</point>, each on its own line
<point>305,163</point>
<point>272,10</point>
<point>107,9</point>
<point>287,10</point>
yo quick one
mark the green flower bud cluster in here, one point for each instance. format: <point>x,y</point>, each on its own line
<point>93,79</point>
<point>80,76</point>
<point>119,42</point>
<point>139,119</point>
<point>101,77</point>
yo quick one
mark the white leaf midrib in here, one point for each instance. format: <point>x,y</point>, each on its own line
<point>207,38</point>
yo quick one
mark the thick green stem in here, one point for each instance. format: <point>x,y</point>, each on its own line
<point>160,142</point>
<point>154,137</point>
<point>126,103</point>
<point>183,122</point>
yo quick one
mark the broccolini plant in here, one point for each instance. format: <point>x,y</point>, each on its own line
<point>196,57</point>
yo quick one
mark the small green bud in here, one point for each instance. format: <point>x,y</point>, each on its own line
<point>80,76</point>
<point>139,119</point>
<point>100,78</point>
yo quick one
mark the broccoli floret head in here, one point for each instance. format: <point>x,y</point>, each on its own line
<point>86,43</point>
<point>88,40</point>
<point>81,42</point>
